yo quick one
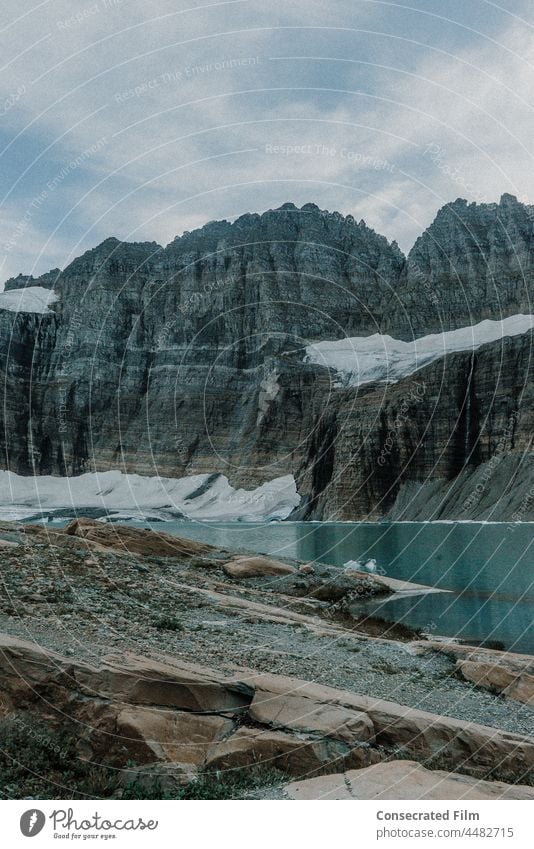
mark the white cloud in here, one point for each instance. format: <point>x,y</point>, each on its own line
<point>192,142</point>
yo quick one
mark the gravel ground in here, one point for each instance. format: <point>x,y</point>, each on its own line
<point>88,605</point>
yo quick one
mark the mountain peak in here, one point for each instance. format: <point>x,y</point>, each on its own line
<point>509,200</point>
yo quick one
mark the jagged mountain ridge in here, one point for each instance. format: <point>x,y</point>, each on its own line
<point>188,358</point>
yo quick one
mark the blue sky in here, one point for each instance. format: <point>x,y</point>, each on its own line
<point>144,118</point>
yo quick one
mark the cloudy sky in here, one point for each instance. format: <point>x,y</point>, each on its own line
<point>144,118</point>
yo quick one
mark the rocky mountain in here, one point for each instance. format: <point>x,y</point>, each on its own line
<point>192,359</point>
<point>475,261</point>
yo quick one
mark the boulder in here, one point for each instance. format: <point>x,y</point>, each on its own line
<point>403,780</point>
<point>499,671</point>
<point>301,714</point>
<point>170,735</point>
<point>326,583</point>
<point>513,683</point>
<point>296,754</point>
<point>415,732</point>
<point>256,567</point>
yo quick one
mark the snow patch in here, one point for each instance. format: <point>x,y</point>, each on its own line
<point>382,359</point>
<point>136,496</point>
<point>34,299</point>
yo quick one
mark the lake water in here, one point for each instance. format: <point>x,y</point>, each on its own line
<point>488,567</point>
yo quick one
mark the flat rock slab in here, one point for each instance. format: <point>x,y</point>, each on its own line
<point>418,733</point>
<point>144,709</point>
<point>301,714</point>
<point>135,540</point>
<point>182,686</point>
<point>403,780</point>
<point>400,587</point>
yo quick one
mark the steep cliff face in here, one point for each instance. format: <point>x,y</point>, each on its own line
<point>441,424</point>
<point>475,261</point>
<point>190,358</point>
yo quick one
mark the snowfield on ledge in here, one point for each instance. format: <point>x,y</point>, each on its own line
<point>35,299</point>
<point>202,497</point>
<point>382,359</point>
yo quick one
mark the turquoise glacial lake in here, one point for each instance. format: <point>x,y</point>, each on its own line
<point>489,569</point>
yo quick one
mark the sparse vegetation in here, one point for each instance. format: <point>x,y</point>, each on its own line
<point>230,784</point>
<point>38,762</point>
<point>384,666</point>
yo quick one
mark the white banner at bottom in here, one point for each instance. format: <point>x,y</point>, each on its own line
<point>227,825</point>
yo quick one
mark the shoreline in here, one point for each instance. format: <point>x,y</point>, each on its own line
<point>94,592</point>
<point>120,517</point>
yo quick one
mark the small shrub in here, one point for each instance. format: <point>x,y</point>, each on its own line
<point>167,623</point>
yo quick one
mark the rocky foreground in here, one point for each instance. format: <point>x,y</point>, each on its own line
<point>172,664</point>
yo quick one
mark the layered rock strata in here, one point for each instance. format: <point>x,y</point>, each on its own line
<point>190,359</point>
<point>167,711</point>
